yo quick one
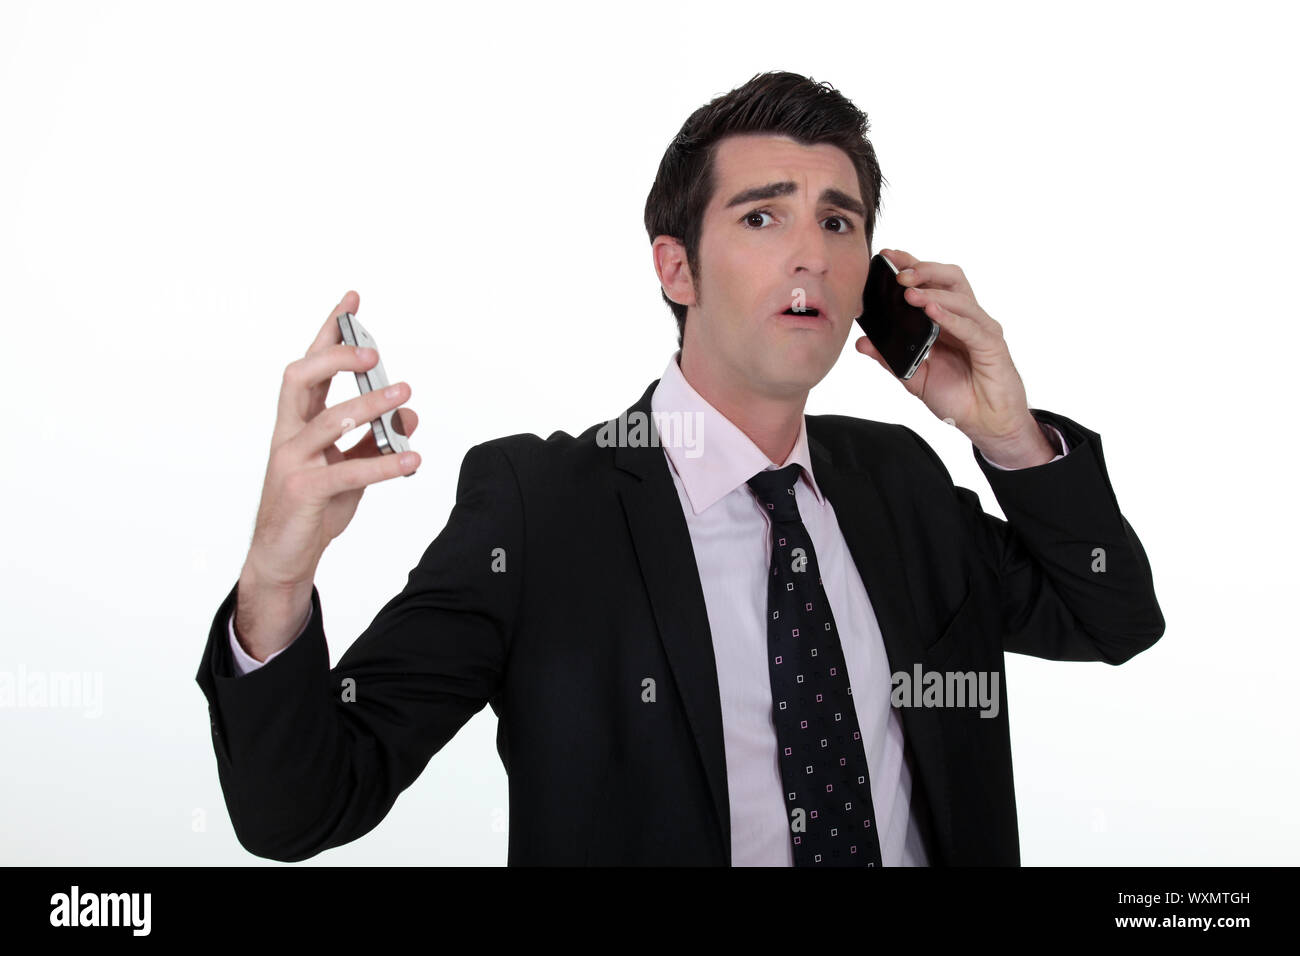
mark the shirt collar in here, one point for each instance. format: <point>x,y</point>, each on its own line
<point>723,458</point>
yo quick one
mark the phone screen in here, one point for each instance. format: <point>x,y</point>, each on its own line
<point>901,332</point>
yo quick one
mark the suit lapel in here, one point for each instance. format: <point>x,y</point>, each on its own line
<point>663,547</point>
<point>864,518</point>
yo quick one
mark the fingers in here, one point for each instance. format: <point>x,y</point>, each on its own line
<point>327,427</point>
<point>973,335</point>
<point>936,275</point>
<point>306,382</point>
<point>303,391</point>
<point>309,428</point>
<point>324,483</point>
<point>900,259</point>
<point>405,422</point>
<point>959,314</point>
<point>329,333</point>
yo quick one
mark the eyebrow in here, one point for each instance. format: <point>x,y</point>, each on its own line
<point>830,196</point>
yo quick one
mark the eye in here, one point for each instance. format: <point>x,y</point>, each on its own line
<point>846,224</point>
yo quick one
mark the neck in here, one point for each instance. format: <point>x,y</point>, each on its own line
<point>771,423</point>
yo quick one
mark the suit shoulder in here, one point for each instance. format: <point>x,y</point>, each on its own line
<point>558,454</point>
<point>864,442</point>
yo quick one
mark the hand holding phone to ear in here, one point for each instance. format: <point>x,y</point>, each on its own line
<point>312,489</point>
<point>968,378</point>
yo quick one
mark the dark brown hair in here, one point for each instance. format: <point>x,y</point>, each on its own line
<point>774,103</point>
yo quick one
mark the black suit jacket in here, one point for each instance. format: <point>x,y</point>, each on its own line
<point>600,591</point>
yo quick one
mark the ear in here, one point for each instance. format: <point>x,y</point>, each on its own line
<point>673,271</point>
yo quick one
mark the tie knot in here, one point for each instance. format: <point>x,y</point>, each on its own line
<point>775,492</point>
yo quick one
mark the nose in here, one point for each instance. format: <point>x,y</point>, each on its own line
<point>810,249</point>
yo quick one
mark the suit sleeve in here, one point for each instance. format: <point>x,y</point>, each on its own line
<point>310,758</point>
<point>1074,580</point>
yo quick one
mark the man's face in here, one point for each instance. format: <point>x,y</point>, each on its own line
<point>783,217</point>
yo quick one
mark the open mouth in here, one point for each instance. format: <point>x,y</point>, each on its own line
<point>810,311</point>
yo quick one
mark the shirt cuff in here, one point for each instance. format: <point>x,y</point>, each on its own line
<point>245,662</point>
<point>1054,437</point>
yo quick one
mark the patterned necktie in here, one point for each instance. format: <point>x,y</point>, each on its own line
<point>820,750</point>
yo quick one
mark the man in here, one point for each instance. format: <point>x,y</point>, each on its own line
<point>698,644</point>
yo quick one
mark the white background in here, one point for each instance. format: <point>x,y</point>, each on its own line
<point>186,190</point>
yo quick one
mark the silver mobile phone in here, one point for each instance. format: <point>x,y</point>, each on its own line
<point>387,438</point>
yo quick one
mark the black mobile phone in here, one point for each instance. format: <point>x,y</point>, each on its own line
<point>901,332</point>
<point>388,439</point>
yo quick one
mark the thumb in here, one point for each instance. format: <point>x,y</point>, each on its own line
<point>864,346</point>
<point>915,386</point>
